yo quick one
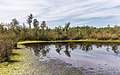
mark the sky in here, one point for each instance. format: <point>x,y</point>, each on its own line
<point>98,13</point>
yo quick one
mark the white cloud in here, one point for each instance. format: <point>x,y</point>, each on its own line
<point>52,10</point>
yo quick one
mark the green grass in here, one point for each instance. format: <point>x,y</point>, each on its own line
<point>24,42</point>
<point>18,63</point>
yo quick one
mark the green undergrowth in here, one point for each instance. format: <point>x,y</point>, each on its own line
<point>17,64</point>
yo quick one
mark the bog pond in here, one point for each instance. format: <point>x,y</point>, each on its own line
<point>75,58</point>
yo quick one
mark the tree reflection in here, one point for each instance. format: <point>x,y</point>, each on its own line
<point>107,48</point>
<point>39,49</point>
<point>115,49</point>
<point>86,46</point>
<point>67,48</point>
<point>58,48</point>
<point>72,45</point>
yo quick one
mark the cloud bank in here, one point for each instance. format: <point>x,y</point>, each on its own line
<point>58,12</point>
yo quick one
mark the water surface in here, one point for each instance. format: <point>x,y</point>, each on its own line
<point>77,58</point>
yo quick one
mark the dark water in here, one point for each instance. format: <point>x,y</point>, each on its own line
<point>86,58</point>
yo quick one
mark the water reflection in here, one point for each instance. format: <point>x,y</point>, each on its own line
<point>44,48</point>
<point>115,49</point>
<point>39,49</point>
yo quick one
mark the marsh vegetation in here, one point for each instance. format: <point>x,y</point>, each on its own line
<point>11,33</point>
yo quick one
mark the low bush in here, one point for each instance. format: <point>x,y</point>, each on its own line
<point>6,46</point>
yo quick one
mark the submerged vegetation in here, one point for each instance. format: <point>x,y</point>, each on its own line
<point>13,32</point>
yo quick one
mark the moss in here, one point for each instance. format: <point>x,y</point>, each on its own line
<point>24,42</point>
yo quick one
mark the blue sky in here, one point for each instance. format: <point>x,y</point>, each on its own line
<point>58,12</point>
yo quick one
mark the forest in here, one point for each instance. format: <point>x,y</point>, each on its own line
<point>11,33</point>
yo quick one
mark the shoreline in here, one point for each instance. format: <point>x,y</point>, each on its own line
<point>68,41</point>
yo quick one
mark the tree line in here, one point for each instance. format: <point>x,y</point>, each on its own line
<point>37,31</point>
